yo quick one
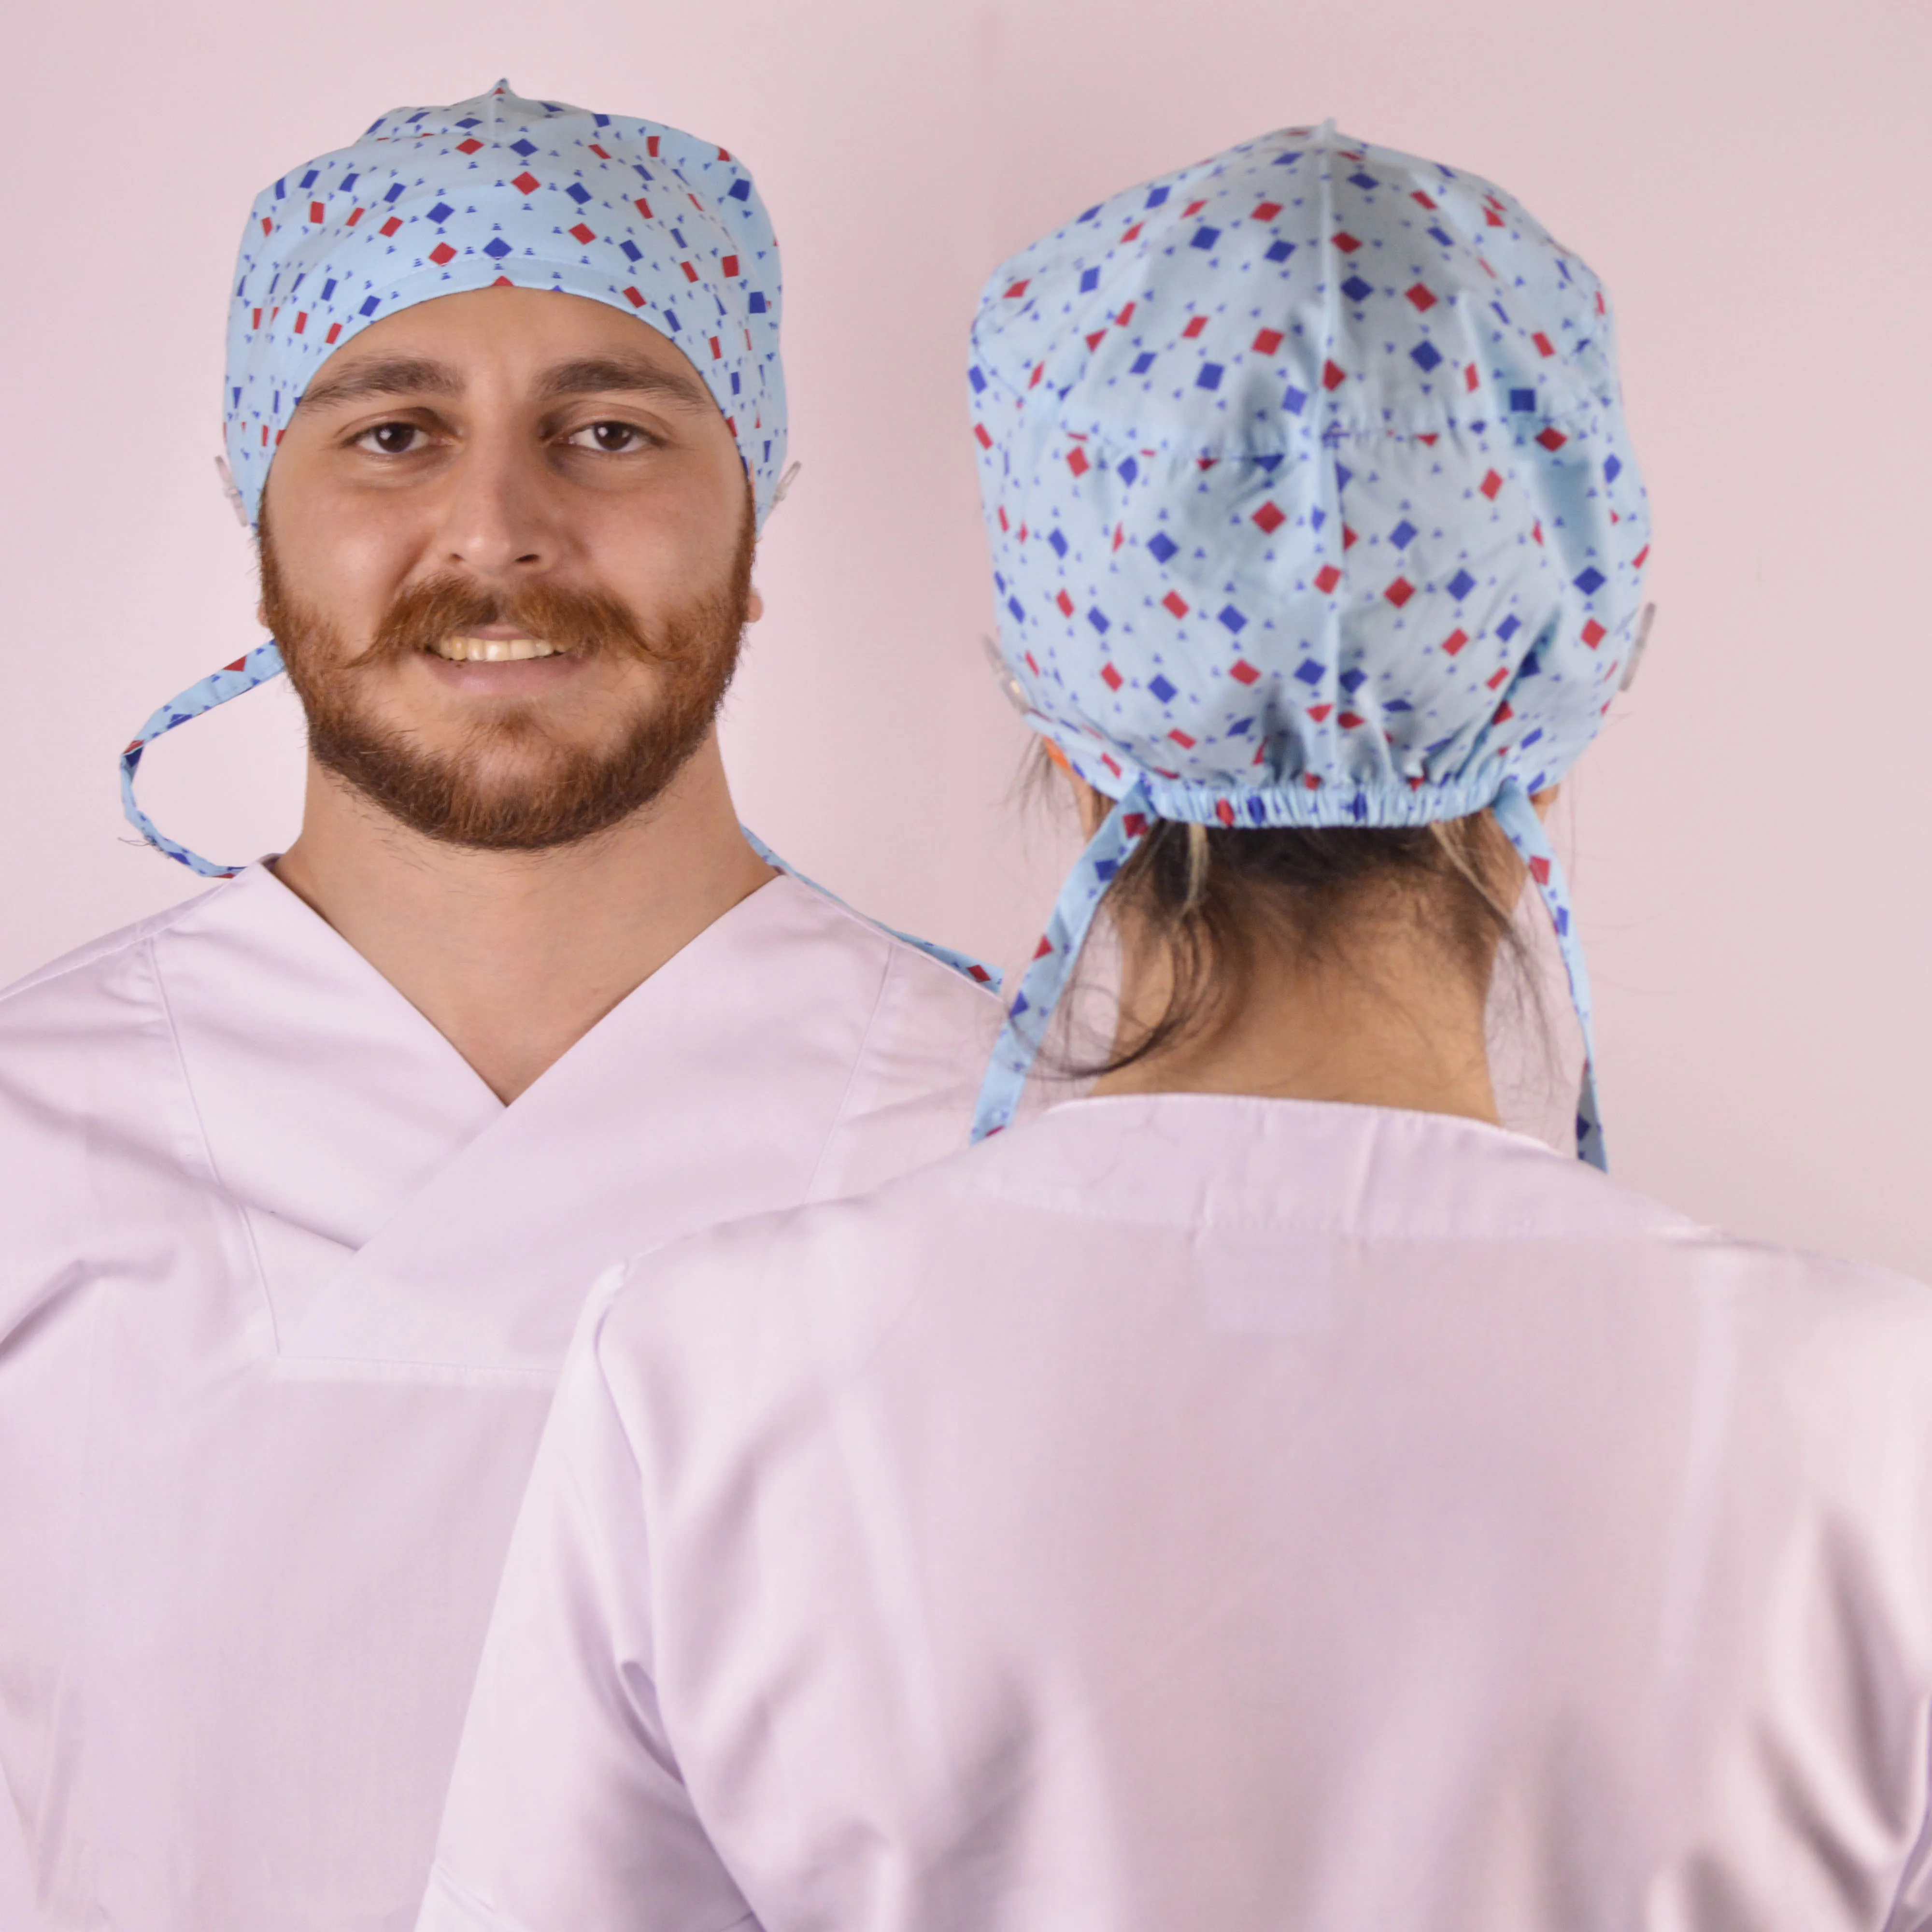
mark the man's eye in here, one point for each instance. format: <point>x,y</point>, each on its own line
<point>391,439</point>
<point>614,439</point>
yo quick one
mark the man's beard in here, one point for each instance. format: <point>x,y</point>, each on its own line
<point>562,793</point>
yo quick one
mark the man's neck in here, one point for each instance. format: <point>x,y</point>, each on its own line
<point>513,957</point>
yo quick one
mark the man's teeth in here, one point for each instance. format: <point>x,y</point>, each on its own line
<point>493,650</point>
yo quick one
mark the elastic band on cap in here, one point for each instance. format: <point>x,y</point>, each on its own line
<point>1044,980</point>
<point>262,663</point>
<point>1524,830</point>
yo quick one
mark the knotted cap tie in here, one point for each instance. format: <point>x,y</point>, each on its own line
<point>1311,503</point>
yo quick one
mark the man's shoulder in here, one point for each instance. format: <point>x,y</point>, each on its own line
<point>88,971</point>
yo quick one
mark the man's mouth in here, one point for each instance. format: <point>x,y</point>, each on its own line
<point>493,650</point>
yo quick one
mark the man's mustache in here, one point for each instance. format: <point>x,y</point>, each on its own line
<point>587,623</point>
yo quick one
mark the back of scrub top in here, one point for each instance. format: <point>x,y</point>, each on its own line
<point>1195,1511</point>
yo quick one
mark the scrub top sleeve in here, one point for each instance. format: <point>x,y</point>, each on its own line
<point>566,1812</point>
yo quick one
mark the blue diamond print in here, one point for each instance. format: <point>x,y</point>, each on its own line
<point>1206,238</point>
<point>1059,544</point>
<point>1162,546</point>
<point>1310,672</point>
<point>1128,470</point>
<point>1365,181</point>
<point>1294,401</point>
<point>1097,618</point>
<point>469,120</point>
<point>441,213</point>
<point>740,189</point>
<point>1280,251</point>
<point>370,307</point>
<point>632,250</point>
<point>1210,377</point>
<point>309,179</point>
<point>1355,288</point>
<point>1460,585</point>
<point>1530,738</point>
<point>1089,281</point>
<point>578,193</point>
<point>1425,356</point>
<point>756,302</point>
<point>1352,681</point>
<point>1508,628</point>
<point>1441,238</point>
<point>1591,582</point>
<point>1233,618</point>
<point>1403,534</point>
<point>1155,199</point>
<point>1143,363</point>
<point>526,148</point>
<point>1522,399</point>
<point>1161,688</point>
<point>1013,605</point>
<point>977,379</point>
<point>1613,469</point>
<point>497,249</point>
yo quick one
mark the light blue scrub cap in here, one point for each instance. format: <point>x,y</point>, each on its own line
<point>435,201</point>
<point>1311,503</point>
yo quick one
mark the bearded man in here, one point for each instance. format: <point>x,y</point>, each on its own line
<point>303,1182</point>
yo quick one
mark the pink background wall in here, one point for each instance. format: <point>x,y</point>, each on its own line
<point>1751,178</point>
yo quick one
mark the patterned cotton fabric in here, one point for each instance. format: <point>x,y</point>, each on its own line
<point>1311,502</point>
<point>435,201</point>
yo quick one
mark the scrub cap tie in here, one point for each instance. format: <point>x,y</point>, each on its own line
<point>1311,503</point>
<point>497,191</point>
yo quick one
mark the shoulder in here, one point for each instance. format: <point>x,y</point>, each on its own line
<point>89,970</point>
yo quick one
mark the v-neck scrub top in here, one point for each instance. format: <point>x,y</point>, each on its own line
<point>1204,1512</point>
<point>284,1289</point>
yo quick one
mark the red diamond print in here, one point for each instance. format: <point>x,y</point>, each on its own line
<point>468,147</point>
<point>652,143</point>
<point>1349,722</point>
<point>1539,870</point>
<point>602,155</point>
<point>1346,242</point>
<point>1181,739</point>
<point>1044,946</point>
<point>1094,340</point>
<point>1319,713</point>
<point>1311,781</point>
<point>1192,208</point>
<point>1454,641</point>
<point>690,273</point>
<point>1470,378</point>
<point>1244,671</point>
<point>980,431</point>
<point>1174,602</point>
<point>1268,210</point>
<point>1003,524</point>
<point>1594,634</point>
<point>1423,300</point>
<point>268,227</point>
<point>1195,327</point>
<point>525,183</point>
<point>1501,677</point>
<point>315,210</point>
<point>642,207</point>
<point>442,253</point>
<point>301,321</point>
<point>1543,343</point>
<point>1135,823</point>
<point>634,297</point>
<point>1270,518</point>
<point>1224,811</point>
<point>1638,561</point>
<point>1536,530</point>
<point>1326,578</point>
<point>1552,439</point>
<point>1399,591</point>
<point>334,330</point>
<point>1065,603</point>
<point>390,227</point>
<point>1333,378</point>
<point>1504,713</point>
<point>584,234</point>
<point>717,350</point>
<point>1494,220</point>
<point>1348,537</point>
<point>1133,234</point>
<point>355,215</point>
<point>1110,677</point>
<point>729,266</point>
<point>1418,195</point>
<point>1125,315</point>
<point>1268,341</point>
<point>1018,289</point>
<point>1490,484</point>
<point>1038,370</point>
<point>1077,462</point>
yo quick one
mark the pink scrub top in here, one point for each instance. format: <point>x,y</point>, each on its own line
<point>284,1290</point>
<point>1204,1512</point>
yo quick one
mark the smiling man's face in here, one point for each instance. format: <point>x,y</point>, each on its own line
<point>506,548</point>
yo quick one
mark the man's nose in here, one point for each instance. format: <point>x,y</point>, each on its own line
<point>500,518</point>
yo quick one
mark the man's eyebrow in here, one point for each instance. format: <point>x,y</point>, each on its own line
<point>595,375</point>
<point>403,377</point>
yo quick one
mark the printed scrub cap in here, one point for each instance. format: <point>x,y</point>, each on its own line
<point>495,191</point>
<point>1311,503</point>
